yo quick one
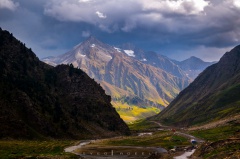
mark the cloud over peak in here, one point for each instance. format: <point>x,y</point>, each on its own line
<point>86,34</point>
<point>127,14</point>
<point>166,25</point>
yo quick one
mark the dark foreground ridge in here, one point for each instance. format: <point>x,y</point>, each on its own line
<point>38,100</point>
<point>214,94</point>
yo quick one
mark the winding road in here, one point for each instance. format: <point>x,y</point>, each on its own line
<point>186,154</point>
<point>111,150</point>
<point>178,132</point>
<point>115,152</point>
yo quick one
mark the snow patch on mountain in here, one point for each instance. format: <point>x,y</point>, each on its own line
<point>78,55</point>
<point>129,53</point>
<point>144,60</point>
<point>93,45</point>
<point>109,56</point>
<point>118,49</point>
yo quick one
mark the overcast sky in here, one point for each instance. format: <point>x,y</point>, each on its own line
<point>175,28</point>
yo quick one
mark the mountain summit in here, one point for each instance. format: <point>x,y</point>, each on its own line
<point>193,66</point>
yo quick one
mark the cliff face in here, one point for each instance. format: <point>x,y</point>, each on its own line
<point>38,100</point>
<point>213,95</point>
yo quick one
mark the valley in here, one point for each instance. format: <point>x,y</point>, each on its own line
<point>61,112</point>
<point>130,113</point>
<point>143,81</point>
<point>161,143</point>
<point>139,145</point>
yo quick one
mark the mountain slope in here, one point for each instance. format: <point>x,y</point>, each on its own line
<point>38,100</point>
<point>189,68</point>
<point>154,59</point>
<point>119,68</point>
<point>214,94</point>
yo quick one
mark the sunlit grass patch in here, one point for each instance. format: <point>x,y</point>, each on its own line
<point>217,133</point>
<point>131,113</point>
<point>142,125</point>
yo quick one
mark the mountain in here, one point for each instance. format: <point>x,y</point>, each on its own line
<point>123,76</point>
<point>41,101</point>
<point>193,66</point>
<point>214,94</point>
<point>189,68</point>
<point>154,59</point>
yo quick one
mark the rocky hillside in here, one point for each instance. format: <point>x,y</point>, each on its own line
<point>189,68</point>
<point>214,94</point>
<point>156,60</point>
<point>38,100</point>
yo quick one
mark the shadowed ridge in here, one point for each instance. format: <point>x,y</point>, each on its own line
<point>40,101</point>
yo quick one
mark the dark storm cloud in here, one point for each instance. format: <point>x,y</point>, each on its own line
<point>184,27</point>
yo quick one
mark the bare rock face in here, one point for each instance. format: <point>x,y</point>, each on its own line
<point>39,101</point>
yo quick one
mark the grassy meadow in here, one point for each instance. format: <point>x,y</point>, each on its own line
<point>131,113</point>
<point>221,141</point>
<point>54,149</point>
<point>142,125</point>
<point>165,139</point>
<point>218,133</point>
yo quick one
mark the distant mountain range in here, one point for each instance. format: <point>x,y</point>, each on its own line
<point>193,66</point>
<point>213,95</point>
<point>131,75</point>
<point>41,101</point>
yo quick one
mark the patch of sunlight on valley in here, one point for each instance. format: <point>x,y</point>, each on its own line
<point>131,113</point>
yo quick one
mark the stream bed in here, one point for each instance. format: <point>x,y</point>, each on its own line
<point>185,155</point>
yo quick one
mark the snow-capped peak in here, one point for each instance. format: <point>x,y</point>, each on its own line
<point>129,53</point>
